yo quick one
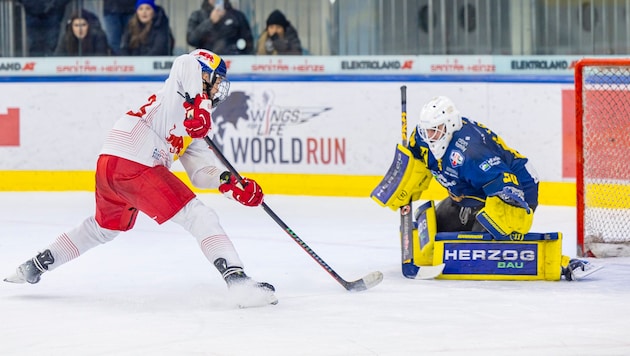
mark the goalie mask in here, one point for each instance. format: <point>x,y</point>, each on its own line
<point>216,69</point>
<point>439,119</point>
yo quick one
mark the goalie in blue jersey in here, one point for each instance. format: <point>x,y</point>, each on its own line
<point>491,186</point>
<point>484,177</point>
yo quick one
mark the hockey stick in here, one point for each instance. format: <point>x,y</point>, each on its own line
<point>409,270</point>
<point>364,283</point>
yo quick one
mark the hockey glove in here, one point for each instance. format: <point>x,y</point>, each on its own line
<point>513,196</point>
<point>505,213</point>
<point>249,193</point>
<point>405,180</point>
<point>197,121</point>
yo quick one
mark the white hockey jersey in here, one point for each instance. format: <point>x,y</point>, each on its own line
<point>155,134</point>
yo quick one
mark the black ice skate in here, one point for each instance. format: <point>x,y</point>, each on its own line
<point>31,271</point>
<point>578,269</point>
<point>245,291</point>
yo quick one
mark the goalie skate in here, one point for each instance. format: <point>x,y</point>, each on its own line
<point>578,269</point>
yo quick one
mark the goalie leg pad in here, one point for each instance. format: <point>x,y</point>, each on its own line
<point>502,219</point>
<point>424,234</point>
<point>477,256</point>
<point>405,180</point>
<point>424,231</point>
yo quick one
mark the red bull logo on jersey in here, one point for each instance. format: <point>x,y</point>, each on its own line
<point>177,144</point>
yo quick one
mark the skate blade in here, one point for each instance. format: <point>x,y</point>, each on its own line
<point>578,274</point>
<point>15,278</point>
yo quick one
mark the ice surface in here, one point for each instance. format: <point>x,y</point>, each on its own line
<point>152,292</point>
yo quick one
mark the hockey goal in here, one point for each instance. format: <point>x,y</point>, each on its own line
<point>602,92</point>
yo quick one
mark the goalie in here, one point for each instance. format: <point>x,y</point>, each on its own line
<point>491,186</point>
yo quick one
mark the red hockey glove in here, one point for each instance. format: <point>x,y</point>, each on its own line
<point>197,120</point>
<point>249,193</point>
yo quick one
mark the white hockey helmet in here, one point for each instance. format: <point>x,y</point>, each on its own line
<point>439,119</point>
<point>216,68</point>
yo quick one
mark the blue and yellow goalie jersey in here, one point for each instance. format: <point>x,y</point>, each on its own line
<point>477,163</point>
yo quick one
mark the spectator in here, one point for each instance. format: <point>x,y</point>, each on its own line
<point>148,32</point>
<point>116,14</point>
<point>83,36</point>
<point>280,37</point>
<point>220,28</point>
<point>43,24</point>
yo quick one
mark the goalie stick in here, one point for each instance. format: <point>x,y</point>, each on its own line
<point>362,284</point>
<point>426,272</point>
<point>409,270</point>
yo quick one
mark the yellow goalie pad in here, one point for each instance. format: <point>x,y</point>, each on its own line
<point>502,219</point>
<point>479,256</point>
<point>405,180</point>
<point>482,256</point>
<point>424,234</point>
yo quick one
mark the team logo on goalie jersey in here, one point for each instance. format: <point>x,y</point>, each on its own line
<point>456,158</point>
<point>489,163</point>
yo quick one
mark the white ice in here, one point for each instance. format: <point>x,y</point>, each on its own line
<point>152,292</point>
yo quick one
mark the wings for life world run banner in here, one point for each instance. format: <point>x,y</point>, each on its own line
<point>278,129</point>
<point>253,129</point>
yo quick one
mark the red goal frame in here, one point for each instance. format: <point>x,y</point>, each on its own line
<point>579,113</point>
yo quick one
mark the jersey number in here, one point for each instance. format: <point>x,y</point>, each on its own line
<point>510,178</point>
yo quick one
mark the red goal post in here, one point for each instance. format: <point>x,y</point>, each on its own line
<point>602,98</point>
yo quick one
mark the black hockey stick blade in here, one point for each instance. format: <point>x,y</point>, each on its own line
<point>364,283</point>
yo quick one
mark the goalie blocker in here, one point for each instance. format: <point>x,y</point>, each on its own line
<point>482,256</point>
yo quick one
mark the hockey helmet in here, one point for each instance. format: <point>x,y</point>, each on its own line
<point>439,119</point>
<point>215,67</point>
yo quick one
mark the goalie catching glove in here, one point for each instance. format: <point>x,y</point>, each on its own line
<point>404,182</point>
<point>248,193</point>
<point>506,212</point>
<point>198,120</point>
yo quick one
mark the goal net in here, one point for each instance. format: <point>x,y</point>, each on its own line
<point>602,91</point>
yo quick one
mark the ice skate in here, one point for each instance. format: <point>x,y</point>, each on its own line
<point>578,269</point>
<point>243,290</point>
<point>31,271</point>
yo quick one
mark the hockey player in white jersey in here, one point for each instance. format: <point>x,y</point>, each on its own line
<point>133,174</point>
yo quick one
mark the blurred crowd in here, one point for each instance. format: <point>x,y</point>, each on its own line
<point>141,28</point>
